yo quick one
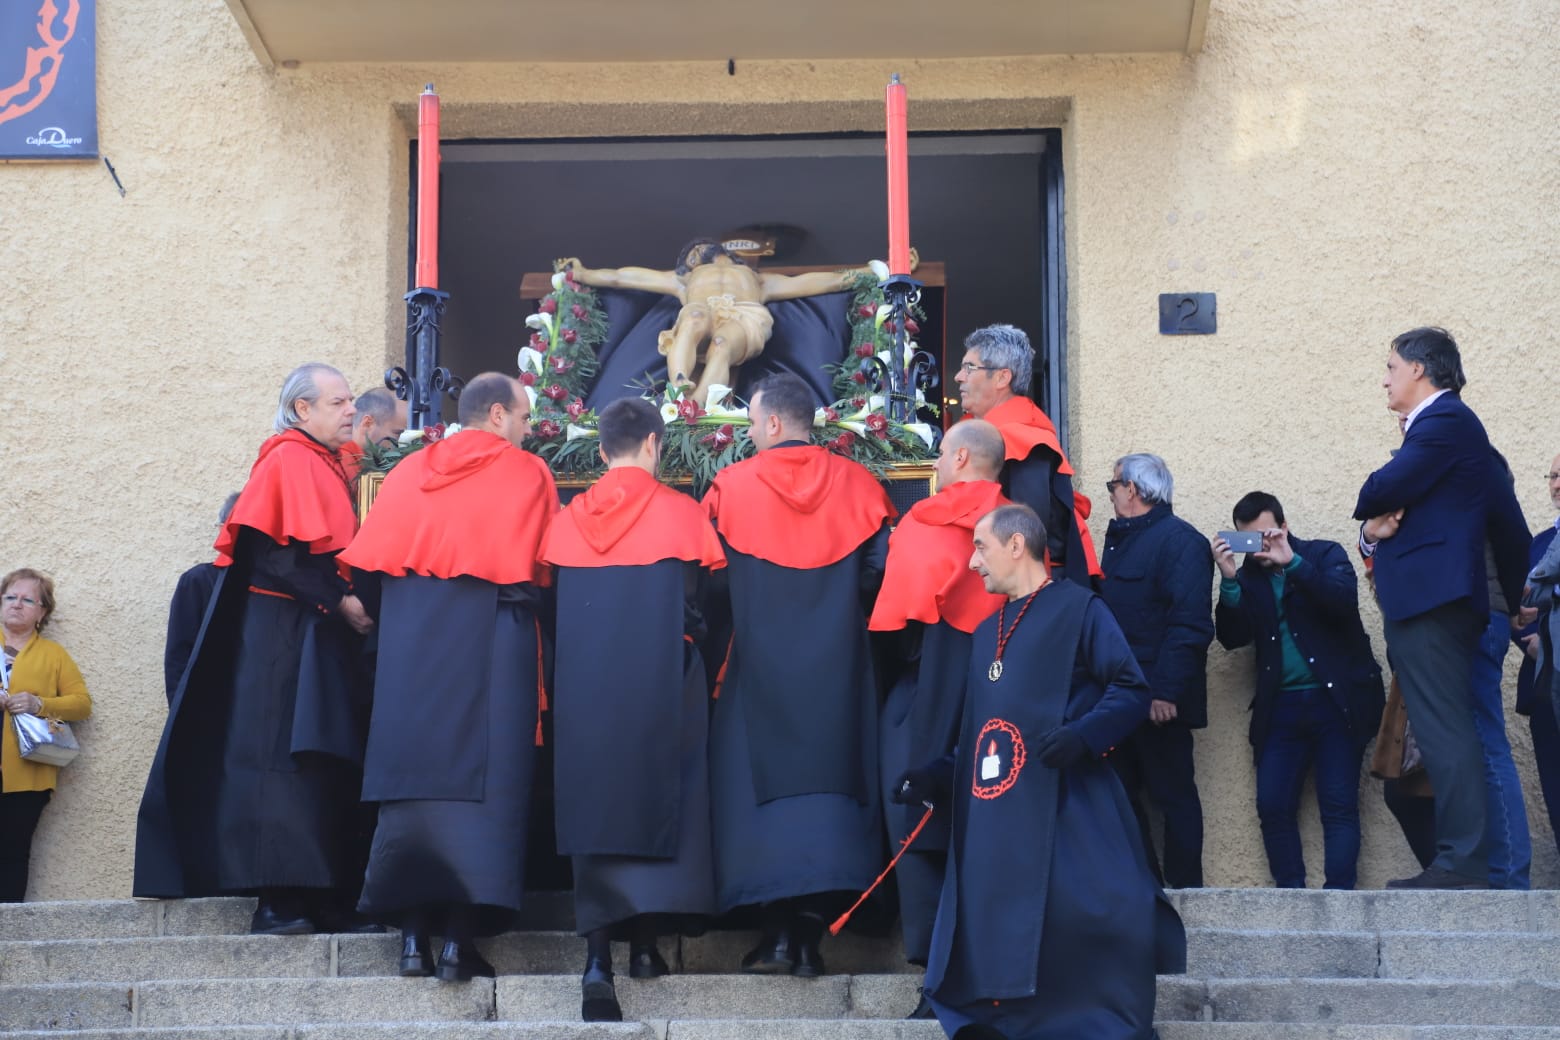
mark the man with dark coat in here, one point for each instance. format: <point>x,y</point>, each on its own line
<point>929,604</point>
<point>793,741</point>
<point>187,609</point>
<point>1424,520</point>
<point>1157,583</point>
<point>1533,683</point>
<point>631,725</point>
<point>1319,694</point>
<point>254,787</point>
<point>1051,925</point>
<point>454,536</point>
<point>994,383</point>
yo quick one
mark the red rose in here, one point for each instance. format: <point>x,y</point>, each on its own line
<point>433,433</point>
<point>688,409</point>
<point>577,311</point>
<point>866,310</point>
<point>555,392</point>
<point>561,364</point>
<point>890,326</point>
<point>831,415</point>
<point>576,408</point>
<point>858,402</point>
<point>864,350</point>
<point>843,442</point>
<point>569,335</point>
<point>549,306</point>
<point>725,435</point>
<point>859,378</point>
<point>877,425</point>
<point>547,429</point>
<point>528,378</point>
<point>538,341</point>
<point>568,280</point>
<point>911,326</point>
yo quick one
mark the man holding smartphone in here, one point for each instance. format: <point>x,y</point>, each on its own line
<point>1318,697</point>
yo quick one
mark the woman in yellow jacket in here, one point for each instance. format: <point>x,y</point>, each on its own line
<point>37,677</point>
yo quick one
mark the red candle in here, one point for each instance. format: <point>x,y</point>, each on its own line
<point>898,180</point>
<point>427,190</point>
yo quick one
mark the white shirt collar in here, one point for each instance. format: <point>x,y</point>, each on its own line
<point>1421,406</point>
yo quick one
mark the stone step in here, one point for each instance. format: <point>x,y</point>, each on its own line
<point>220,1003</point>
<point>778,1029</point>
<point>1212,953</point>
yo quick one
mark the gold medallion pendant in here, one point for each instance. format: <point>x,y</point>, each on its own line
<point>995,671</point>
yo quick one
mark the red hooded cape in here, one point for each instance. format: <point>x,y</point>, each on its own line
<point>473,504</point>
<point>630,519</point>
<point>928,578</point>
<point>1024,427</point>
<point>297,490</point>
<point>799,507</point>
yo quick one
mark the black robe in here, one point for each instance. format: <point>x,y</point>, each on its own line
<point>631,727</point>
<point>1051,925</point>
<point>452,774</point>
<point>186,611</point>
<point>255,781</point>
<point>1037,482</point>
<point>793,741</point>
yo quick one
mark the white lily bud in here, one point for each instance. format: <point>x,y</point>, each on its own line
<point>921,430</point>
<point>880,270</point>
<point>558,281</point>
<point>574,433</point>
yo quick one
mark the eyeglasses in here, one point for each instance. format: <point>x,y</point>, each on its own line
<point>1112,485</point>
<point>970,366</point>
<point>1552,476</point>
<point>11,597</point>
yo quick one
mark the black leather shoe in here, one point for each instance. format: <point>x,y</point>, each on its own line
<point>646,962</point>
<point>598,996</point>
<point>416,957</point>
<point>267,921</point>
<point>807,962</point>
<point>772,956</point>
<point>1438,878</point>
<point>976,1031</point>
<point>923,1010</point>
<point>460,962</point>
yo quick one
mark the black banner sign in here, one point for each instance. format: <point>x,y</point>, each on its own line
<point>48,79</point>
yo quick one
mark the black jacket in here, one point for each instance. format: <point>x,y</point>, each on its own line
<point>1158,573</point>
<point>1322,607</point>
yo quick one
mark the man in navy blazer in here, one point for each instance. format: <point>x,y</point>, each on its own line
<point>1424,519</point>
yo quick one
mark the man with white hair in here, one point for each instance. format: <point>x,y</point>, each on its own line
<point>1157,582</point>
<point>255,785</point>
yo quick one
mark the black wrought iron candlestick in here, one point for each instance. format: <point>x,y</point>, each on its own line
<point>427,381</point>
<point>906,373</point>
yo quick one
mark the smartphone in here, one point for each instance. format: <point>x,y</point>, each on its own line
<point>1243,541</point>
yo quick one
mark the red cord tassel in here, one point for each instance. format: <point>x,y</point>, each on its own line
<point>904,846</point>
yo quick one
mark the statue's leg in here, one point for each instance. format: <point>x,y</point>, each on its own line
<point>729,341</point>
<point>682,353</point>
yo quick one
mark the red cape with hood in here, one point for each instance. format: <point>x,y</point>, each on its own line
<point>928,578</point>
<point>297,490</point>
<point>1024,427</point>
<point>629,519</point>
<point>766,506</point>
<point>472,504</point>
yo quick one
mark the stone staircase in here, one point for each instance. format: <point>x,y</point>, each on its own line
<point>1264,964</point>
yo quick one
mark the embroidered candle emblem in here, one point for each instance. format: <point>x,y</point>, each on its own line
<point>990,779</point>
<point>991,765</point>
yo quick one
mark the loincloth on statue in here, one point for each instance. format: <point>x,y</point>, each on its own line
<point>751,317</point>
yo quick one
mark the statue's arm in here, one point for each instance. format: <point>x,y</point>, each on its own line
<point>795,286</point>
<point>665,282</point>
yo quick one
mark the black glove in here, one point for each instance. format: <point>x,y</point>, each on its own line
<point>931,783</point>
<point>1061,748</point>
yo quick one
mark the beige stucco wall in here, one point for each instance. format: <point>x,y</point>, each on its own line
<point>1335,171</point>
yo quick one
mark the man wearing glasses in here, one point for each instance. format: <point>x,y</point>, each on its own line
<point>994,385</point>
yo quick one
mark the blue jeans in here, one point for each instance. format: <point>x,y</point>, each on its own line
<point>1309,729</point>
<point>1506,826</point>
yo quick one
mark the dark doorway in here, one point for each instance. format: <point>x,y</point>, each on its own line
<point>987,205</point>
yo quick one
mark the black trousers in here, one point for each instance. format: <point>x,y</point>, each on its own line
<point>1156,763</point>
<point>1432,656</point>
<point>19,813</point>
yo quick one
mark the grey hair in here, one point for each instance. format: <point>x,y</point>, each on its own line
<point>226,509</point>
<point>1149,474</point>
<point>1005,346</point>
<point>1006,521</point>
<point>300,385</point>
<point>378,402</point>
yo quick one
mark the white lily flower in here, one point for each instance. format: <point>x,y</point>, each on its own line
<point>819,419</point>
<point>920,398</point>
<point>910,348</point>
<point>531,359</point>
<point>541,321</point>
<point>875,403</point>
<point>921,430</point>
<point>452,429</point>
<point>558,279</point>
<point>887,357</point>
<point>722,412</point>
<point>574,433</point>
<point>715,396</point>
<point>668,412</point>
<point>409,436</point>
<point>858,428</point>
<point>883,313</point>
<point>880,270</point>
<point>530,396</point>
